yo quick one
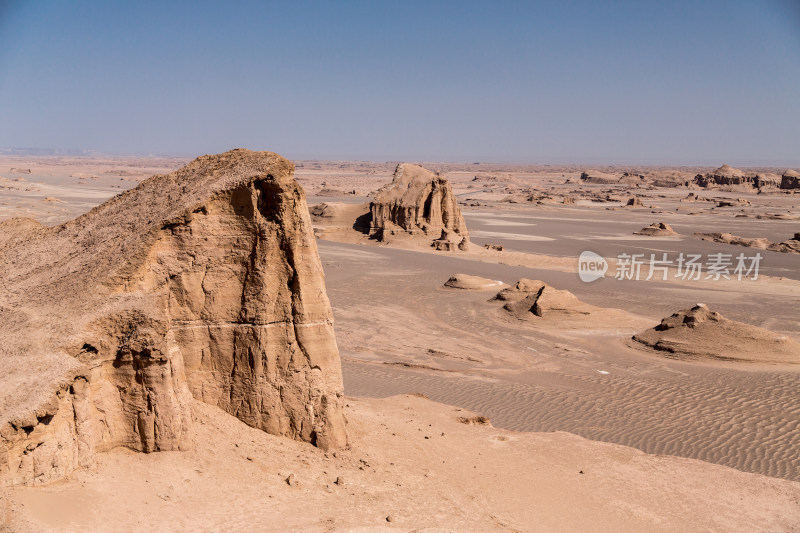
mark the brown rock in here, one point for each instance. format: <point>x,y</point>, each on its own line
<point>790,180</point>
<point>699,333</point>
<point>634,201</point>
<point>657,229</point>
<point>534,297</point>
<point>475,283</point>
<point>418,202</point>
<point>202,283</point>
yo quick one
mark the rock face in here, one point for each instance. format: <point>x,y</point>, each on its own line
<point>204,283</point>
<point>699,333</point>
<point>657,229</point>
<point>534,298</point>
<point>729,176</point>
<point>790,180</point>
<point>418,202</point>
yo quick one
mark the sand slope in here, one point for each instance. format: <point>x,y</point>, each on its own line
<point>410,460</point>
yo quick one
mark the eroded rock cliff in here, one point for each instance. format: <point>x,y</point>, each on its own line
<point>202,283</point>
<point>418,202</point>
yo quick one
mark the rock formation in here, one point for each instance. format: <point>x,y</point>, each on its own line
<point>418,202</point>
<point>788,246</point>
<point>474,283</point>
<point>699,333</point>
<point>634,201</point>
<point>599,178</point>
<point>790,180</point>
<point>204,283</point>
<point>529,298</point>
<point>729,176</point>
<point>657,229</point>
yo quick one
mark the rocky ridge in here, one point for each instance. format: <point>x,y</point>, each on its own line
<point>202,283</point>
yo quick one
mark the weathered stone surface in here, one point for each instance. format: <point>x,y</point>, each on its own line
<point>729,176</point>
<point>473,283</point>
<point>790,180</point>
<point>700,333</point>
<point>534,298</point>
<point>202,283</point>
<point>788,246</point>
<point>418,202</point>
<point>657,229</point>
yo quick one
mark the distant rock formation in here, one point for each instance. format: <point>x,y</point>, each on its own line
<point>788,246</point>
<point>699,333</point>
<point>201,283</point>
<point>473,283</point>
<point>634,201</point>
<point>729,176</point>
<point>657,229</point>
<point>418,202</point>
<point>600,178</point>
<point>534,298</point>
<point>790,180</point>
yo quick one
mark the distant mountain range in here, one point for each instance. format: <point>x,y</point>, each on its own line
<point>47,151</point>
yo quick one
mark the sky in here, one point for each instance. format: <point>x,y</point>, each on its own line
<point>640,82</point>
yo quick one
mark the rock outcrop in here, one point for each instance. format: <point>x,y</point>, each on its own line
<point>729,176</point>
<point>790,180</point>
<point>699,333</point>
<point>473,283</point>
<point>788,246</point>
<point>634,201</point>
<point>418,202</point>
<point>534,298</point>
<point>657,229</point>
<point>204,283</point>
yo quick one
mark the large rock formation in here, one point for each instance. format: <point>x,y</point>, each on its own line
<point>790,180</point>
<point>202,283</point>
<point>729,176</point>
<point>699,333</point>
<point>418,202</point>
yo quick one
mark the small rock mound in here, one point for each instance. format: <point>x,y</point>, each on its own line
<point>657,229</point>
<point>634,201</point>
<point>536,298</point>
<point>473,283</point>
<point>700,333</point>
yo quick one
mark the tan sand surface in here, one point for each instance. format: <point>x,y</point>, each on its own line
<point>411,466</point>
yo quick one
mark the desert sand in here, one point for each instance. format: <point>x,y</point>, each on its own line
<point>642,440</point>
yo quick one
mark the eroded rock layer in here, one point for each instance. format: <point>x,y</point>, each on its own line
<point>202,283</point>
<point>418,202</point>
<point>700,333</point>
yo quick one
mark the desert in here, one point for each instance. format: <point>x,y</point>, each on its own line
<point>411,267</point>
<point>560,372</point>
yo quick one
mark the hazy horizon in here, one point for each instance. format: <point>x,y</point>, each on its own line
<point>685,84</point>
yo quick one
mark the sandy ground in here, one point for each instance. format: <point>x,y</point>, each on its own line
<point>399,332</point>
<point>412,466</point>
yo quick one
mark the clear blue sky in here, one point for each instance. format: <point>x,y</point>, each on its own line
<point>680,82</point>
